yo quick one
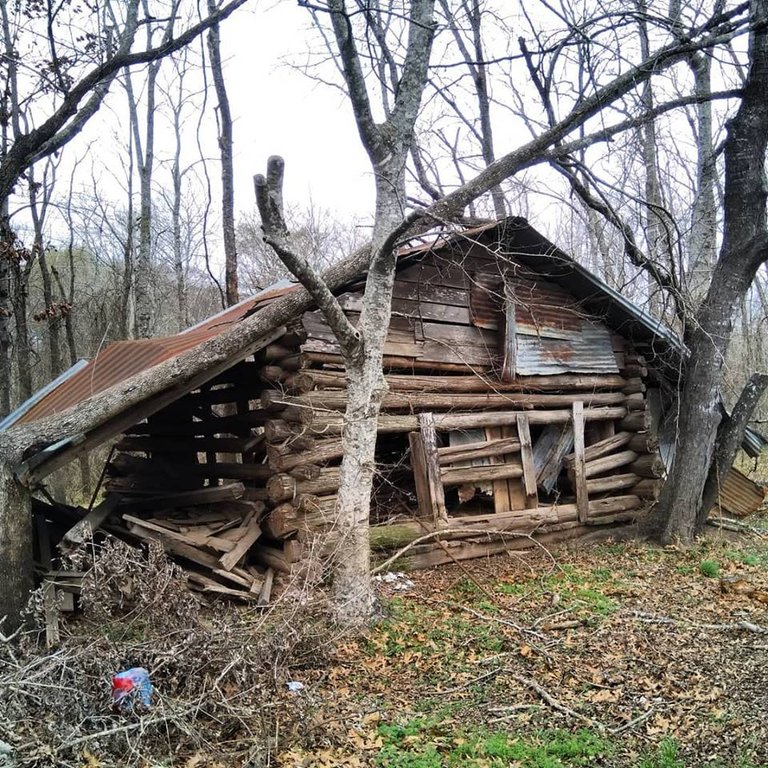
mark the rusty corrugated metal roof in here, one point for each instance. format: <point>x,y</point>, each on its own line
<point>739,496</point>
<point>586,350</point>
<point>123,359</point>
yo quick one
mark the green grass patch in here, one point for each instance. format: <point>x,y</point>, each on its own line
<point>709,568</point>
<point>665,756</point>
<point>423,743</point>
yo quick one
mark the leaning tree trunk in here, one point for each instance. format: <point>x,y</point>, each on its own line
<point>744,249</point>
<point>729,437</point>
<point>699,411</point>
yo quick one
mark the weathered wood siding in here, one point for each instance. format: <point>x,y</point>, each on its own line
<point>456,313</point>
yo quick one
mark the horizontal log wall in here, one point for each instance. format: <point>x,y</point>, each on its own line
<point>272,428</point>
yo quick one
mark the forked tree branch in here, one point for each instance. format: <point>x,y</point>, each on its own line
<point>269,200</point>
<point>661,276</point>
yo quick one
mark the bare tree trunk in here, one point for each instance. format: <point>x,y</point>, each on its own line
<point>744,249</point>
<point>702,244</point>
<point>38,210</point>
<point>6,312</point>
<point>177,178</point>
<point>54,316</point>
<point>657,225</point>
<point>15,545</point>
<point>19,282</point>
<point>127,320</point>
<point>227,168</point>
<point>146,160</point>
<point>142,282</point>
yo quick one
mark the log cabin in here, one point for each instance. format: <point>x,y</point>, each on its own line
<point>526,397</point>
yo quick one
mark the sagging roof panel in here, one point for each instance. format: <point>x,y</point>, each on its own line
<point>123,359</point>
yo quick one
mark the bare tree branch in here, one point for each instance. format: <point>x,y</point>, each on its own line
<point>269,199</point>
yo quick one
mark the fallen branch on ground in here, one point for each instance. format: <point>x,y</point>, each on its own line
<point>555,704</point>
<point>449,531</point>
<point>730,627</point>
<point>729,524</point>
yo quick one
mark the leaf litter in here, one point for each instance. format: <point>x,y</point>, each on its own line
<point>629,651</point>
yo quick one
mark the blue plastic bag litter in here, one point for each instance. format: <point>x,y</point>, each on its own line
<point>130,687</point>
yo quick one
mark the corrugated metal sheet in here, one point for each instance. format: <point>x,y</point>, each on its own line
<point>16,415</point>
<point>587,350</point>
<point>123,359</point>
<point>739,496</point>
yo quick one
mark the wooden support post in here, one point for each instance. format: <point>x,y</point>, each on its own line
<point>579,469</point>
<point>419,466</point>
<point>432,466</point>
<point>526,454</point>
<point>501,495</point>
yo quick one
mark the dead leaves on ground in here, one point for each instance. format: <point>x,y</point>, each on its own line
<point>577,637</point>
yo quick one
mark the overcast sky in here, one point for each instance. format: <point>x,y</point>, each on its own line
<point>279,110</point>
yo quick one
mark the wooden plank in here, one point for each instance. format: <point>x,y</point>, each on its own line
<point>324,450</point>
<point>52,633</point>
<point>455,297</point>
<point>412,349</point>
<point>449,421</point>
<point>458,439</point>
<point>265,593</point>
<point>605,446</point>
<point>464,475</point>
<point>228,492</point>
<point>273,399</point>
<point>554,442</point>
<point>190,444</point>
<point>168,533</point>
<point>423,309</point>
<point>419,467</point>
<point>579,468</point>
<point>515,487</point>
<point>84,529</point>
<point>207,425</point>
<point>469,451</point>
<point>432,465</point>
<point>500,488</point>
<point>612,483</point>
<point>324,379</point>
<point>609,462</point>
<point>326,424</point>
<point>249,536</point>
<point>508,336</point>
<point>431,273</point>
<point>526,455</point>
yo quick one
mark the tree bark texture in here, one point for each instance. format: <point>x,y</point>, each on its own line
<point>227,166</point>
<point>6,314</point>
<point>744,249</point>
<point>387,146</point>
<point>15,545</point>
